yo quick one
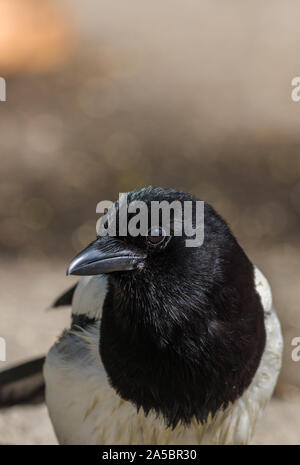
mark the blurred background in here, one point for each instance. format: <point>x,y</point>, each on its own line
<point>104,97</point>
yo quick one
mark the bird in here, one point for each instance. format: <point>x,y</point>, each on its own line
<point>167,344</point>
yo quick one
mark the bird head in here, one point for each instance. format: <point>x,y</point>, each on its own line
<point>182,330</point>
<point>158,246</point>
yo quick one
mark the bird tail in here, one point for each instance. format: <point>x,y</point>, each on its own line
<point>23,384</point>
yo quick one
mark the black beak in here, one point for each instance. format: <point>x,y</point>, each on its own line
<point>105,255</point>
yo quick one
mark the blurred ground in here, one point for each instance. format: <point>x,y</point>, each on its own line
<point>101,100</point>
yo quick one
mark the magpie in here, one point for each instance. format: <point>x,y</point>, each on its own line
<point>168,344</point>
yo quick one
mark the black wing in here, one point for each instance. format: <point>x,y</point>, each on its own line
<point>65,299</point>
<point>23,384</point>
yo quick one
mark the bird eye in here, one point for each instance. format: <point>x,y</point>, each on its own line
<point>156,236</point>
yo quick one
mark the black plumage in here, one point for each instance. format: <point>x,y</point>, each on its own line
<point>184,335</point>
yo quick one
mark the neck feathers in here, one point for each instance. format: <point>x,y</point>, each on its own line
<point>177,356</point>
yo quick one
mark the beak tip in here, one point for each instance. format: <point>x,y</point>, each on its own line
<point>69,271</point>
